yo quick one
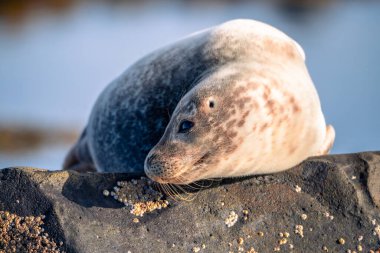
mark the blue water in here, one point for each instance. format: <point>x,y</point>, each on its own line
<point>53,67</point>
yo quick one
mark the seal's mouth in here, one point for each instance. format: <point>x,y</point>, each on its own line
<point>186,174</point>
<point>202,159</point>
<point>190,174</point>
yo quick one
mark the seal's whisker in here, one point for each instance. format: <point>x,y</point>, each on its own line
<point>160,188</point>
<point>212,180</point>
<point>202,187</point>
<point>172,194</point>
<point>189,196</point>
<point>198,185</point>
<point>175,193</point>
<point>192,185</point>
<point>167,191</point>
<point>179,195</point>
<point>195,194</point>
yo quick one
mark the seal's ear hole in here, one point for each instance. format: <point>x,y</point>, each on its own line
<point>211,104</point>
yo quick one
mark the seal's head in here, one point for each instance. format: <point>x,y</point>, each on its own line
<point>199,135</point>
<point>184,149</point>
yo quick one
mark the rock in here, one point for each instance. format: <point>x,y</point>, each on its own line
<point>329,203</point>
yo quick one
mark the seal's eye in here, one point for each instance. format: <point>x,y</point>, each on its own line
<point>211,104</point>
<point>185,126</point>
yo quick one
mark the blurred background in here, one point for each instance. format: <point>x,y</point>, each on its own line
<point>56,56</point>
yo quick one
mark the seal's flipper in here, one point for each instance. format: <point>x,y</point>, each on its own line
<point>79,157</point>
<point>328,142</point>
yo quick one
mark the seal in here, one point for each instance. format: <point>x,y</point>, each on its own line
<point>229,101</point>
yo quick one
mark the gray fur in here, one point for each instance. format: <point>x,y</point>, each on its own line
<point>131,114</point>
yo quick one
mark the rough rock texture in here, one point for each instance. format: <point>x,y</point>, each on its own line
<point>338,197</point>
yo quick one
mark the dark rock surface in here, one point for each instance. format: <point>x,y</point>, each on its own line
<point>345,187</point>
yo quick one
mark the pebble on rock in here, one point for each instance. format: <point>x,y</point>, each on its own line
<point>196,249</point>
<point>231,219</point>
<point>24,234</point>
<point>138,195</point>
<point>299,230</point>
